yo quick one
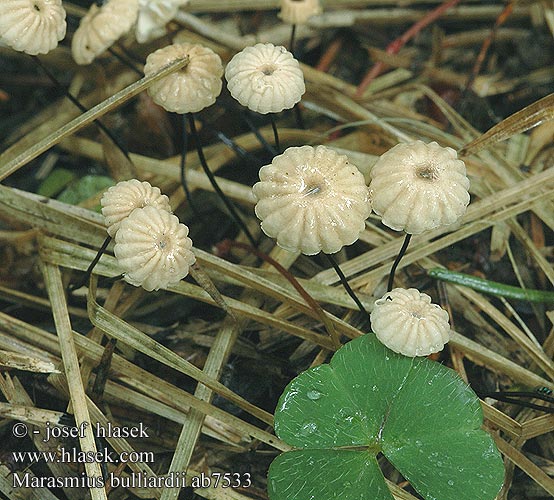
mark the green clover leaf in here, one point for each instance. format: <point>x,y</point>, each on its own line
<point>423,418</point>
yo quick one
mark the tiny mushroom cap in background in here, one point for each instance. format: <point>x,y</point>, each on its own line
<point>312,200</point>
<point>417,187</point>
<point>153,248</point>
<point>408,323</point>
<point>120,200</point>
<point>298,11</point>
<point>32,26</point>
<point>153,15</point>
<point>101,27</point>
<point>191,89</point>
<point>265,78</point>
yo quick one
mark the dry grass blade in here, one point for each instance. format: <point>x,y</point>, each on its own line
<point>132,376</point>
<point>18,361</point>
<point>117,328</point>
<point>53,279</point>
<point>532,470</point>
<point>30,414</point>
<point>12,165</point>
<point>525,119</point>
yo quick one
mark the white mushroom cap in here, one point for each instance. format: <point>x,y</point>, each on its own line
<point>265,78</point>
<point>32,26</point>
<point>298,11</point>
<point>101,27</point>
<point>312,200</point>
<point>417,187</point>
<point>153,16</point>
<point>407,322</point>
<point>191,89</point>
<point>120,200</point>
<point>153,249</point>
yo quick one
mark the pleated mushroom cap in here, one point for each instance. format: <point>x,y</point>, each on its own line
<point>153,249</point>
<point>191,89</point>
<point>101,27</point>
<point>265,78</point>
<point>298,11</point>
<point>120,200</point>
<point>408,323</point>
<point>312,200</point>
<point>417,187</point>
<point>32,26</point>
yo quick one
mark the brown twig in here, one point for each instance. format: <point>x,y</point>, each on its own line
<point>395,46</point>
<point>293,281</point>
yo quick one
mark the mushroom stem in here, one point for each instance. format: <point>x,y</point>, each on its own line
<point>298,116</point>
<point>515,398</point>
<point>407,239</point>
<point>345,283</point>
<point>92,265</point>
<point>214,183</point>
<point>292,37</point>
<point>296,110</point>
<point>125,61</point>
<point>77,103</point>
<point>183,161</point>
<point>275,133</point>
<point>202,278</point>
<point>268,147</point>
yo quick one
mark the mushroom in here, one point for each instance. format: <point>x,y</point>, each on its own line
<point>417,187</point>
<point>32,26</point>
<point>153,248</point>
<point>312,200</point>
<point>191,89</point>
<point>265,78</point>
<point>298,11</point>
<point>101,27</point>
<point>408,323</point>
<point>120,200</point>
<point>153,15</point>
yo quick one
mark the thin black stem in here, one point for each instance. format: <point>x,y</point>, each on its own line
<point>238,150</point>
<point>299,118</point>
<point>214,183</point>
<point>268,147</point>
<point>130,54</point>
<point>92,265</point>
<point>77,103</point>
<point>345,283</point>
<point>125,61</point>
<point>275,133</point>
<point>519,402</point>
<point>407,239</point>
<point>522,394</point>
<point>292,37</point>
<point>184,147</point>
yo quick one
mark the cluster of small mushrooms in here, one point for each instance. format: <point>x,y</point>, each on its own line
<point>310,199</point>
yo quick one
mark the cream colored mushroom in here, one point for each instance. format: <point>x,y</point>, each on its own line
<point>298,11</point>
<point>265,78</point>
<point>32,26</point>
<point>153,248</point>
<point>101,27</point>
<point>191,89</point>
<point>417,187</point>
<point>153,15</point>
<point>120,200</point>
<point>312,200</point>
<point>408,323</point>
